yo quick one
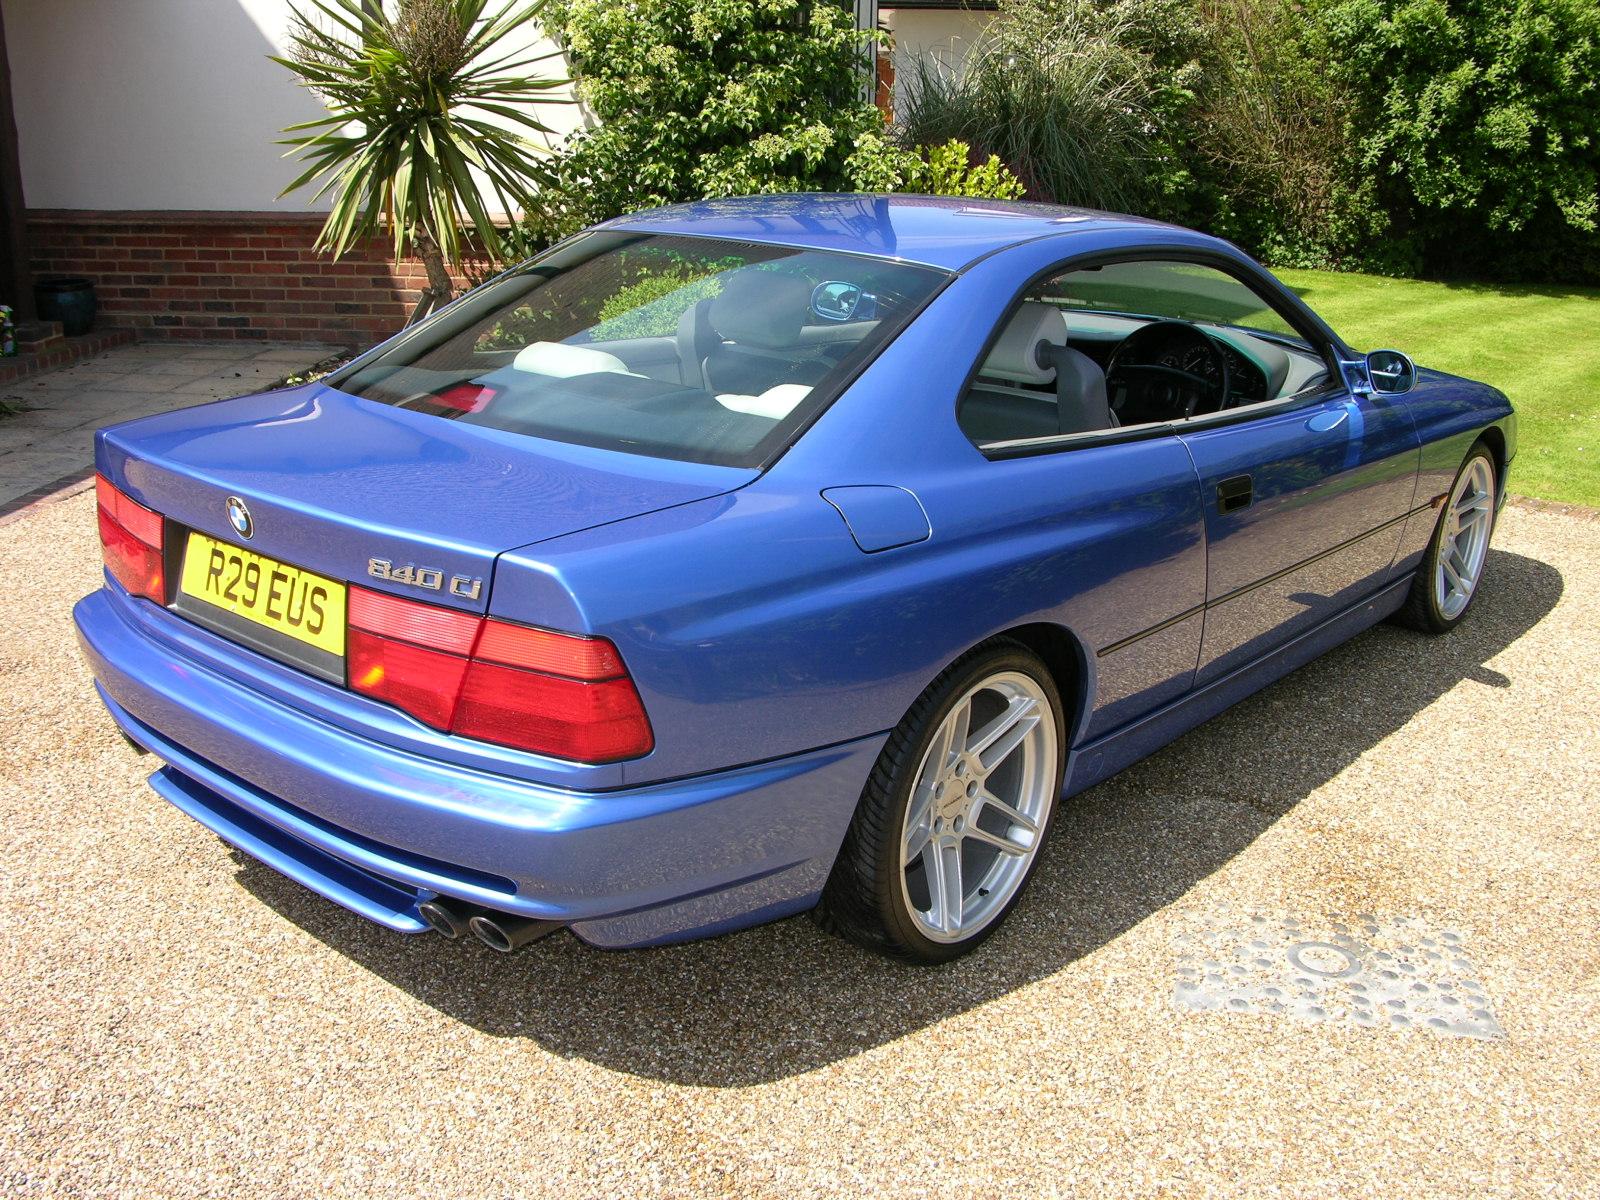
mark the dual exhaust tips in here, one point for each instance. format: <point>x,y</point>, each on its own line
<point>496,930</point>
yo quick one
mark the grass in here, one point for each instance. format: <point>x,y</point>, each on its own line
<point>1539,345</point>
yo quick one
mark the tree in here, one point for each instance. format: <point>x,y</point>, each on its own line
<point>422,104</point>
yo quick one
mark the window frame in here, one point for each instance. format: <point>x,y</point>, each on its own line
<point>1297,315</point>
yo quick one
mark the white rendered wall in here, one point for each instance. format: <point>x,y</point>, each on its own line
<point>942,36</point>
<point>161,104</point>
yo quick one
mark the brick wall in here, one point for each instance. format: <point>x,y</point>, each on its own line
<point>225,275</point>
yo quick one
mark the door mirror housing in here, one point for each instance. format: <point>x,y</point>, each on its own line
<point>1391,372</point>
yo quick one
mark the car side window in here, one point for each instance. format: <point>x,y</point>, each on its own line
<point>1124,344</point>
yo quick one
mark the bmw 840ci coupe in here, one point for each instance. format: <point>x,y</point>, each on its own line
<point>750,557</point>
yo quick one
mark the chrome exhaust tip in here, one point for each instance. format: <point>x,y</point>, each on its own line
<point>443,918</point>
<point>504,933</point>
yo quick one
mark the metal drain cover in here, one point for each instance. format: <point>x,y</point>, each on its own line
<point>1396,974</point>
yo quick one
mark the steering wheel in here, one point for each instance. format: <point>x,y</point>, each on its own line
<point>1164,367</point>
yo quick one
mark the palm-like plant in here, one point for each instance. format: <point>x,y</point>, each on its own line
<point>411,91</point>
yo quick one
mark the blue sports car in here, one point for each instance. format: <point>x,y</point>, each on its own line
<point>748,557</point>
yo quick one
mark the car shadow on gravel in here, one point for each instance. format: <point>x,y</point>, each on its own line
<point>772,1002</point>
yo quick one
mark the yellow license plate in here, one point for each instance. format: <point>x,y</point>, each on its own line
<point>296,603</point>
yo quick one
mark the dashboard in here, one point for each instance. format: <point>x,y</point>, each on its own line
<point>1259,368</point>
<point>1247,383</point>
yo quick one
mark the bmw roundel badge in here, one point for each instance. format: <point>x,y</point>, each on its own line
<point>239,517</point>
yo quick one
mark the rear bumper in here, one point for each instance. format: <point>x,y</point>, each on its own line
<point>378,829</point>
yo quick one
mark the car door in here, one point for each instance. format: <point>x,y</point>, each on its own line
<point>1304,486</point>
<point>1103,535</point>
<point>1304,508</point>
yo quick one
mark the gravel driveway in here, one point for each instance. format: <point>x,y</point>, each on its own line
<point>184,1022</point>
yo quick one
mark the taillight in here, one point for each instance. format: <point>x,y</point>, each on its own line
<point>130,540</point>
<point>423,682</point>
<point>552,693</point>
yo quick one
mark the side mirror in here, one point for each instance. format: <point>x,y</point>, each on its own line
<point>1391,372</point>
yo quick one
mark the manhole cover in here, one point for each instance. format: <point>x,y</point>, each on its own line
<point>1394,974</point>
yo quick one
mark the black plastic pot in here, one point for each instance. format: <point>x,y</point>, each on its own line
<point>70,301</point>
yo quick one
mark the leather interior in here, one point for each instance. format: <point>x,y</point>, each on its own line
<point>1032,350</point>
<point>1015,357</point>
<point>745,340</point>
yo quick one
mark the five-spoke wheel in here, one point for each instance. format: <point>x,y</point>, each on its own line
<point>982,796</point>
<point>1464,537</point>
<point>950,825</point>
<point>1453,565</point>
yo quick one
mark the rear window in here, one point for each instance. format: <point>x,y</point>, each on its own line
<point>700,349</point>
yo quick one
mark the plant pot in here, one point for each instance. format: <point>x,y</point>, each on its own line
<point>70,301</point>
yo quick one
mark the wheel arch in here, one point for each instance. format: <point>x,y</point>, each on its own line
<point>1069,663</point>
<point>1495,439</point>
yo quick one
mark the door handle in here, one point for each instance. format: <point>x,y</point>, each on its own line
<point>1235,493</point>
<point>1328,419</point>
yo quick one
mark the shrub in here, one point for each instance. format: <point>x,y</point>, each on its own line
<point>1270,131</point>
<point>698,98</point>
<point>1480,122</point>
<point>1448,136</point>
<point>948,170</point>
<point>1221,114</point>
<point>878,165</point>
<point>1065,111</point>
<point>1167,50</point>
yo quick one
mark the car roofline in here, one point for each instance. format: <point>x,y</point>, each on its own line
<point>1038,221</point>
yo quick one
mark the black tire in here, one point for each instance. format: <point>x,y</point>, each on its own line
<point>863,899</point>
<point>1421,610</point>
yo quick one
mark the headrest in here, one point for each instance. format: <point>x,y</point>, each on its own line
<point>560,361</point>
<point>761,308</point>
<point>1015,356</point>
<point>775,403</point>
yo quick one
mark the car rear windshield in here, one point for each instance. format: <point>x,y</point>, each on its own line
<point>701,349</point>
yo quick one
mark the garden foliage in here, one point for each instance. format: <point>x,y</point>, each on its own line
<point>697,98</point>
<point>1444,136</point>
<point>878,164</point>
<point>702,98</point>
<point>1478,122</point>
<point>425,107</point>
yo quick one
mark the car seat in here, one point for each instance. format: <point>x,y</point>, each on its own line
<point>1005,404</point>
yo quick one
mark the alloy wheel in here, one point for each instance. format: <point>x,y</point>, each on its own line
<point>978,809</point>
<point>1464,538</point>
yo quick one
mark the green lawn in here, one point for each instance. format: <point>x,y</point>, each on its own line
<point>1539,345</point>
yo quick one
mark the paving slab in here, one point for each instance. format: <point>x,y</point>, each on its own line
<point>184,1022</point>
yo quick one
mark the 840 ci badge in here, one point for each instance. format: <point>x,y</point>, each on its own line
<point>430,578</point>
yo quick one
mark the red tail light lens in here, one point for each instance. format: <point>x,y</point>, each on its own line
<point>569,718</point>
<point>423,682</point>
<point>421,624</point>
<point>534,689</point>
<point>130,541</point>
<point>553,653</point>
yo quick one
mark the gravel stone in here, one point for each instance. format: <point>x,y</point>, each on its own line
<point>184,1022</point>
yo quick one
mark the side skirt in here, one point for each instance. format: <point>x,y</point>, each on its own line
<point>1123,747</point>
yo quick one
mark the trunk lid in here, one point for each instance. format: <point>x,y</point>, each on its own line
<point>332,481</point>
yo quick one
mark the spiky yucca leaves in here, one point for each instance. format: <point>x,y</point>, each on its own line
<point>412,89</point>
